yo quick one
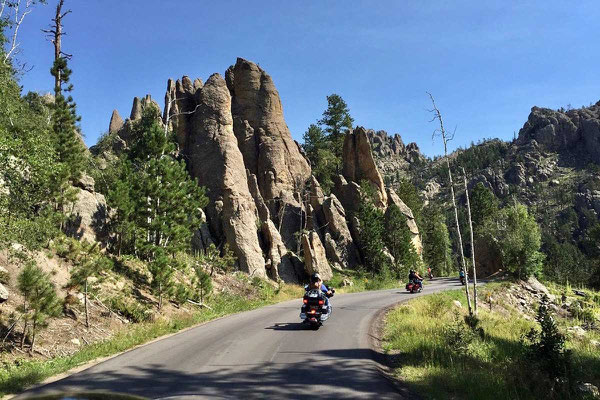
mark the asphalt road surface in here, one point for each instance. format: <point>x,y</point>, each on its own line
<point>265,353</point>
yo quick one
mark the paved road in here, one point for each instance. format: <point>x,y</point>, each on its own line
<point>265,353</point>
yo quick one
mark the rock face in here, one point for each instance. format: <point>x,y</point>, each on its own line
<point>89,214</point>
<point>216,161</point>
<point>359,164</point>
<point>572,130</point>
<point>116,122</point>
<point>393,199</point>
<point>314,256</point>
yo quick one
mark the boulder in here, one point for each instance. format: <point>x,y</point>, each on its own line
<point>588,390</point>
<point>216,161</point>
<point>3,294</point>
<point>116,123</point>
<point>278,257</point>
<point>88,217</point>
<point>359,164</point>
<point>314,256</point>
<point>86,182</point>
<point>348,193</point>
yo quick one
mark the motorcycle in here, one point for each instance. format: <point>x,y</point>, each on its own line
<point>462,280</point>
<point>315,307</point>
<point>414,287</point>
<point>430,275</point>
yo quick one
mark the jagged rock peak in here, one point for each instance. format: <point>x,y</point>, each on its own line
<point>359,164</point>
<point>116,122</point>
<point>576,130</point>
<point>139,105</point>
<point>263,136</point>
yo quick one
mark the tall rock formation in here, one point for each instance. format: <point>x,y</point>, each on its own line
<point>215,160</point>
<point>263,200</point>
<point>358,164</point>
<point>116,123</point>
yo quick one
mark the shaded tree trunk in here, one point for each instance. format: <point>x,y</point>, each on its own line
<point>472,244</point>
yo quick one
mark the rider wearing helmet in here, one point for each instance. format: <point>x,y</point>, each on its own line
<point>414,277</point>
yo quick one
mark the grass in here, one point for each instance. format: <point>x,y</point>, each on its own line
<point>440,357</point>
<point>15,377</point>
<point>361,282</point>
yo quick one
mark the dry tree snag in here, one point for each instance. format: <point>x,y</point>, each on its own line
<point>441,132</point>
<point>14,22</point>
<point>472,243</point>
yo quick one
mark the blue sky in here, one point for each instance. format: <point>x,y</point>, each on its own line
<point>486,62</point>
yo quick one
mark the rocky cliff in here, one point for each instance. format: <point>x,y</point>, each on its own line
<point>264,202</point>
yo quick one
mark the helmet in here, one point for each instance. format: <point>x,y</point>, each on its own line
<point>315,277</point>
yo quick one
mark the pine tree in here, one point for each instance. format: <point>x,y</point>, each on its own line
<point>398,240</point>
<point>162,269</point>
<point>39,300</point>
<point>89,263</point>
<point>372,228</point>
<point>436,241</point>
<point>336,122</point>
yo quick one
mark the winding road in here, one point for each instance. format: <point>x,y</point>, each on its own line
<point>265,353</point>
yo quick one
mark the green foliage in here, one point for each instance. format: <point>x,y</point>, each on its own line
<point>40,301</point>
<point>398,240</point>
<point>409,195</point>
<point>547,346</point>
<point>67,140</point>
<point>458,335</point>
<point>157,203</point>
<point>372,229</point>
<point>436,241</point>
<point>29,172</point>
<point>564,262</point>
<point>323,143</point>
<point>517,238</point>
<point>484,206</point>
<point>90,262</point>
<point>133,310</point>
<point>162,268</point>
<point>203,283</point>
<point>212,260</point>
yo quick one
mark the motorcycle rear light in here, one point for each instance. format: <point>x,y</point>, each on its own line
<point>313,311</point>
<point>305,301</point>
<point>321,302</point>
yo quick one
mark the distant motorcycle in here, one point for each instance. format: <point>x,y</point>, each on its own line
<point>430,275</point>
<point>315,310</point>
<point>414,287</point>
<point>462,280</point>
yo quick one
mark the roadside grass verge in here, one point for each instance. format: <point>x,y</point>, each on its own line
<point>439,356</point>
<point>362,281</point>
<point>15,377</point>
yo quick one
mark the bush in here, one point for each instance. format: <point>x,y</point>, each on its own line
<point>132,310</point>
<point>457,335</point>
<point>546,347</point>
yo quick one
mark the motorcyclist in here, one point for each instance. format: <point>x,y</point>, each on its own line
<point>414,277</point>
<point>317,283</point>
<point>429,273</point>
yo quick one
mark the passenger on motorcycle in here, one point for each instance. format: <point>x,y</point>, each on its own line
<point>317,283</point>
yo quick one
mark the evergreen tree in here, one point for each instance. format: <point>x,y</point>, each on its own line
<point>39,300</point>
<point>398,240</point>
<point>162,269</point>
<point>89,263</point>
<point>484,205</point>
<point>336,122</point>
<point>408,193</point>
<point>436,241</point>
<point>372,228</point>
<point>68,142</point>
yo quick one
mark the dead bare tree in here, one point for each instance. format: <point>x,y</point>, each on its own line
<point>14,21</point>
<point>55,34</point>
<point>472,243</point>
<point>441,132</point>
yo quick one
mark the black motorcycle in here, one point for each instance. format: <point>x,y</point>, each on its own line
<point>315,307</point>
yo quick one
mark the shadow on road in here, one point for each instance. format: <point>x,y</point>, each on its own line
<point>339,373</point>
<point>288,326</point>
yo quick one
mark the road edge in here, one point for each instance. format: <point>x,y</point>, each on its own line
<point>384,362</point>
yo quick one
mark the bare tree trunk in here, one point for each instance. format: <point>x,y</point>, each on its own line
<point>442,132</point>
<point>32,337</point>
<point>85,300</point>
<point>472,244</point>
<point>18,20</point>
<point>24,324</point>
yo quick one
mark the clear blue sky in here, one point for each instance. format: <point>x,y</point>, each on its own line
<point>486,62</point>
